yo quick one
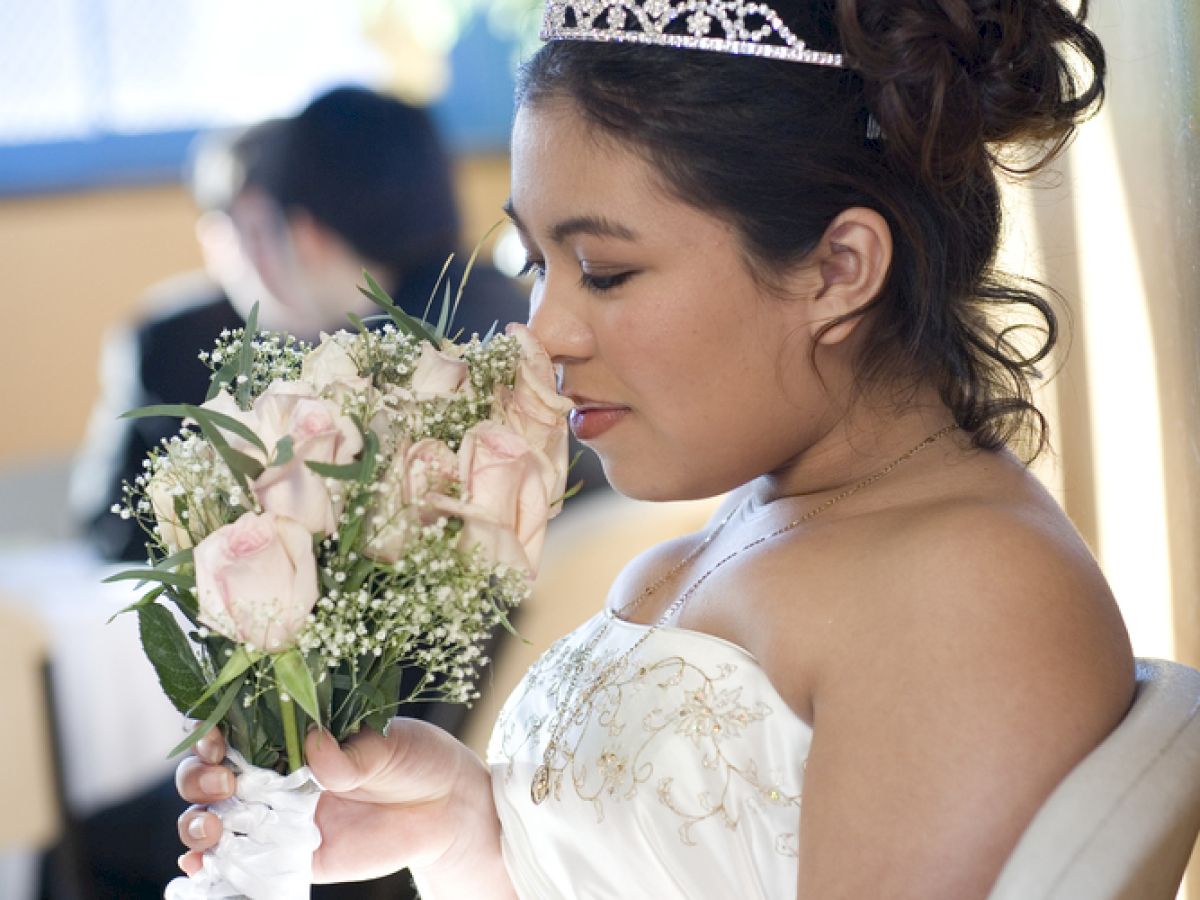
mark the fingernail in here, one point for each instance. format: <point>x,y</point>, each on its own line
<point>216,782</point>
<point>196,828</point>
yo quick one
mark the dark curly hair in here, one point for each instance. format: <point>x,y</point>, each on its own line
<point>959,89</point>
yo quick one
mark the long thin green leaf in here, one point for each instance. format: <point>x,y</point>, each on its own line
<point>292,674</point>
<point>348,472</point>
<point>462,282</point>
<point>212,719</point>
<point>437,285</point>
<point>182,558</point>
<point>154,576</point>
<point>237,664</point>
<point>201,415</point>
<point>403,320</point>
<point>227,423</point>
<point>246,358</point>
<point>221,377</point>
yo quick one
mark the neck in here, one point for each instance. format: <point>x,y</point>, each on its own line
<point>853,448</point>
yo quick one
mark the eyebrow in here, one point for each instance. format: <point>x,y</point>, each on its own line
<point>597,226</point>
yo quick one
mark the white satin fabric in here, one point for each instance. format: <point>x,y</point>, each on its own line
<point>267,840</point>
<point>679,778</point>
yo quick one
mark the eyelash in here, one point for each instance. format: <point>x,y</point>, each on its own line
<point>595,284</point>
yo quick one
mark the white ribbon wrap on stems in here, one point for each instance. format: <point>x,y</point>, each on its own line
<point>267,841</point>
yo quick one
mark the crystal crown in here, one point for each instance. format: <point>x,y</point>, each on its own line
<point>723,26</point>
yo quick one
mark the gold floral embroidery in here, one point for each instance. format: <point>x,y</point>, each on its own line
<point>603,757</point>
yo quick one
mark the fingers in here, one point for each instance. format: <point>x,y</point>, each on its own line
<point>211,747</point>
<point>199,782</point>
<point>344,768</point>
<point>199,829</point>
<point>191,862</point>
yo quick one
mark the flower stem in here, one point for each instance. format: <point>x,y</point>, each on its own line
<point>291,734</point>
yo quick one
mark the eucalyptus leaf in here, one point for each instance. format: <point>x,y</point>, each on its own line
<point>174,660</point>
<point>154,576</point>
<point>246,359</point>
<point>403,320</point>
<point>222,377</point>
<point>283,451</point>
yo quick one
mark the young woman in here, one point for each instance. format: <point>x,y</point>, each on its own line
<point>768,270</point>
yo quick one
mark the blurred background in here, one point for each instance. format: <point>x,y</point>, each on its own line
<point>100,101</point>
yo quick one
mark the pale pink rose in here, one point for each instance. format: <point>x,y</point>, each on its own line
<point>534,409</point>
<point>257,580</point>
<point>171,530</point>
<point>439,374</point>
<point>329,368</point>
<point>320,432</point>
<point>504,504</point>
<point>418,472</point>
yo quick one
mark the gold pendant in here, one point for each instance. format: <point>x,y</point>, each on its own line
<point>539,789</point>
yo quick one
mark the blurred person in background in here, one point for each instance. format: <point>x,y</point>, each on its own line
<point>293,210</point>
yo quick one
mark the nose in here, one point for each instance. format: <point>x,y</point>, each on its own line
<point>558,324</point>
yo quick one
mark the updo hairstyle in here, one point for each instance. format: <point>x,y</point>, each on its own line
<point>959,89</point>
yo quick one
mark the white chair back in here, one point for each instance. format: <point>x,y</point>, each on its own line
<point>1123,823</point>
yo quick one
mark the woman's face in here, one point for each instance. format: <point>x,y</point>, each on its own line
<point>688,377</point>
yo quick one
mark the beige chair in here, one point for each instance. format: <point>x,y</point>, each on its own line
<point>27,781</point>
<point>1122,825</point>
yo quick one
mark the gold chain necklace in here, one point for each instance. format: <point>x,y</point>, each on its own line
<point>539,789</point>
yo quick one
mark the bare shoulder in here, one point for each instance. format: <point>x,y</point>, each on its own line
<point>971,655</point>
<point>1001,585</point>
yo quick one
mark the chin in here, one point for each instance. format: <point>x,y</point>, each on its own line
<point>655,484</point>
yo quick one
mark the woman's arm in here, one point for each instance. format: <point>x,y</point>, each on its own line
<point>416,798</point>
<point>980,660</point>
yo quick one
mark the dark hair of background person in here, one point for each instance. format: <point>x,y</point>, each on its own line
<point>369,168</point>
<point>780,148</point>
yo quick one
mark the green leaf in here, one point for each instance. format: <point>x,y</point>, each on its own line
<point>437,286</point>
<point>226,422</point>
<point>182,558</point>
<point>246,360</point>
<point>149,598</point>
<point>292,674</point>
<point>222,377</point>
<point>171,654</point>
<point>202,416</point>
<point>462,284</point>
<point>403,320</point>
<point>348,472</point>
<point>241,660</point>
<point>283,451</point>
<point>218,713</point>
<point>172,579</point>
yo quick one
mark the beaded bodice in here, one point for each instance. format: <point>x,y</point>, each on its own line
<point>679,776</point>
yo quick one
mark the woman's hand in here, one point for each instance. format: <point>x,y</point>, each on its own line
<point>416,798</point>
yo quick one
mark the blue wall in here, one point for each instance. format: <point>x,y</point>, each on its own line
<point>475,115</point>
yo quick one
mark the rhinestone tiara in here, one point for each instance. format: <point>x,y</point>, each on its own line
<point>723,26</point>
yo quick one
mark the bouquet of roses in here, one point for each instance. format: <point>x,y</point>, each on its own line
<point>330,517</point>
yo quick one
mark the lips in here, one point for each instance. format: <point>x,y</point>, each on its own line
<point>591,418</point>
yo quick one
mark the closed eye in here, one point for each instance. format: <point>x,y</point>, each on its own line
<point>599,284</point>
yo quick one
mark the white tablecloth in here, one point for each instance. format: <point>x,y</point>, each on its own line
<point>115,724</point>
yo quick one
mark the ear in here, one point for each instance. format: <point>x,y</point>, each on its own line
<point>314,244</point>
<point>853,260</point>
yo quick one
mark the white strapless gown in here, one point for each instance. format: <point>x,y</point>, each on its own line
<point>680,778</point>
